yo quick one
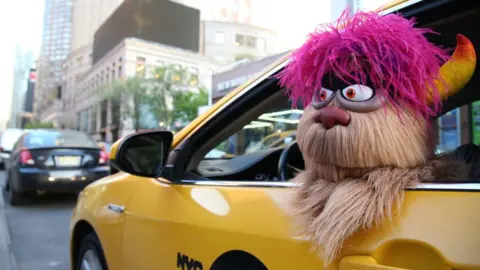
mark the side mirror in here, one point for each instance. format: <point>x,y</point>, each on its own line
<point>144,153</point>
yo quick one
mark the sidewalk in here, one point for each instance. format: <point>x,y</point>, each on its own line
<point>7,261</point>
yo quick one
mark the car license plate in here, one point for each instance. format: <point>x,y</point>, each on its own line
<point>64,174</point>
<point>67,161</point>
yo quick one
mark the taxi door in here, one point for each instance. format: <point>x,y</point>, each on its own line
<point>226,225</point>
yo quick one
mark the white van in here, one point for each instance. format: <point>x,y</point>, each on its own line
<point>8,138</point>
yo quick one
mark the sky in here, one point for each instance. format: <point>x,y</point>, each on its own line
<point>21,21</point>
<point>293,23</point>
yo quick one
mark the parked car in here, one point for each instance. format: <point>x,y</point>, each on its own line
<point>171,208</point>
<point>7,140</point>
<point>53,161</point>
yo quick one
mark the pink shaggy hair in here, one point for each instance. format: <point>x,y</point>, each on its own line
<point>388,50</point>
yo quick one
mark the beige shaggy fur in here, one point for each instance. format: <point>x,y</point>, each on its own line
<point>355,175</point>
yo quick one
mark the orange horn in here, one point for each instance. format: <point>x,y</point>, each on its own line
<point>457,71</point>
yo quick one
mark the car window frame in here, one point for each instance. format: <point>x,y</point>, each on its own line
<point>180,156</point>
<point>184,151</point>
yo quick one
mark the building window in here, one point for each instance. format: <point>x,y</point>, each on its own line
<point>176,78</point>
<point>193,80</point>
<point>176,74</point>
<point>245,41</point>
<point>140,68</point>
<point>251,41</point>
<point>239,40</point>
<point>219,37</point>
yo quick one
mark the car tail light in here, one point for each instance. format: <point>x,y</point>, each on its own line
<point>26,157</point>
<point>103,157</point>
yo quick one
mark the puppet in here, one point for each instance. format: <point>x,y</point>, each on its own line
<point>372,86</point>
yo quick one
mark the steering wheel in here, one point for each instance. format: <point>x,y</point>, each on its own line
<point>290,162</point>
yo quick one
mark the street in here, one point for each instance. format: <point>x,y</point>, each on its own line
<point>39,232</point>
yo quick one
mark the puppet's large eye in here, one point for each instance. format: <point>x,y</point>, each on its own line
<point>321,98</point>
<point>360,98</point>
<point>357,92</point>
<point>324,94</point>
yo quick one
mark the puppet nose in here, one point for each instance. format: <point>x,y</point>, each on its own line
<point>331,116</point>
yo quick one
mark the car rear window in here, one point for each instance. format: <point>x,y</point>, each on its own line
<point>58,138</point>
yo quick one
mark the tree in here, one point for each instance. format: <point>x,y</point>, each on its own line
<point>39,125</point>
<point>149,100</point>
<point>132,94</point>
<point>173,85</point>
<point>186,104</point>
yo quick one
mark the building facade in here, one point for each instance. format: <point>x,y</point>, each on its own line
<point>229,42</point>
<point>99,116</point>
<point>27,115</point>
<point>79,61</point>
<point>56,46</point>
<point>222,30</point>
<point>97,11</point>
<point>22,65</point>
<point>226,81</point>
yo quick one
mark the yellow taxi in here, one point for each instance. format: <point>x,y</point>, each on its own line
<point>172,208</point>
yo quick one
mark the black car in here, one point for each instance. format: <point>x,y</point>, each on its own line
<point>53,161</point>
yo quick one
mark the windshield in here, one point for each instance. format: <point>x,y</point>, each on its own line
<point>58,138</point>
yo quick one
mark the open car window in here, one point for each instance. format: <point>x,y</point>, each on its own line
<point>274,128</point>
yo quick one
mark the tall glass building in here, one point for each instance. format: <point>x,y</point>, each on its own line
<point>56,45</point>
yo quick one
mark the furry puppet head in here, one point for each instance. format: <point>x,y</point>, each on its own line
<point>366,79</point>
<point>370,85</point>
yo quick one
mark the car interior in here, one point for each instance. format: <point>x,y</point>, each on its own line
<point>260,165</point>
<point>279,163</point>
